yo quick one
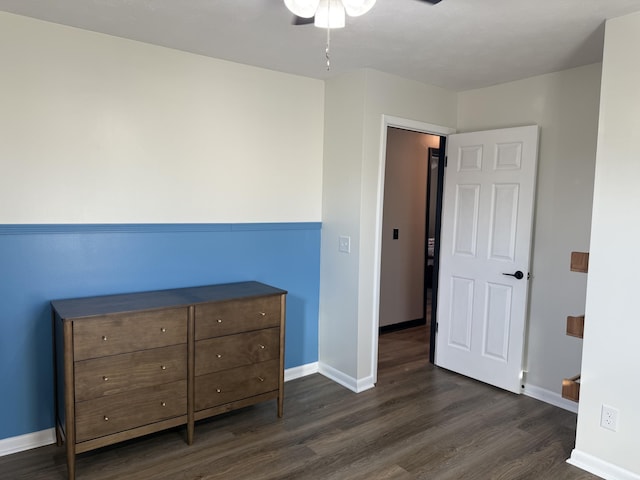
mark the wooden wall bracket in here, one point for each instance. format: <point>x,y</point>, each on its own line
<point>580,262</point>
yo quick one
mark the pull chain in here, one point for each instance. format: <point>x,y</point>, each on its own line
<point>326,51</point>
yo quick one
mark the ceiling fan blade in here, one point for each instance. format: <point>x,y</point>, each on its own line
<point>302,21</point>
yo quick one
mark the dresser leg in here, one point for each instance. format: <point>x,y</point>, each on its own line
<point>280,405</point>
<point>190,433</point>
<point>71,462</point>
<point>58,435</point>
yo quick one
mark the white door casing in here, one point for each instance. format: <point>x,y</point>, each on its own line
<point>487,223</point>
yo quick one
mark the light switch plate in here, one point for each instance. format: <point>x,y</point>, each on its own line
<point>344,244</point>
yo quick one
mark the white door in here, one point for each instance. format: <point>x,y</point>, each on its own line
<point>487,220</point>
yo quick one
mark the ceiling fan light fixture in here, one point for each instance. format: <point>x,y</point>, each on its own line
<point>330,14</point>
<point>355,8</point>
<point>302,8</point>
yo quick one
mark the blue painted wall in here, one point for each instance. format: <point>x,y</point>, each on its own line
<point>39,263</point>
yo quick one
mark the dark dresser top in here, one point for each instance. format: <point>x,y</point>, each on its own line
<point>130,302</point>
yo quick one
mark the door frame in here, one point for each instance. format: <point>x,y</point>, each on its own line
<point>405,124</point>
<point>433,328</point>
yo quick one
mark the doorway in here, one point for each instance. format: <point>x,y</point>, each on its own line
<point>412,192</point>
<point>417,126</point>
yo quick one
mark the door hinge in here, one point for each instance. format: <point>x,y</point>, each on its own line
<point>437,327</point>
<point>446,161</point>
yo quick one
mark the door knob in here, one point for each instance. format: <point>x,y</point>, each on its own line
<point>519,275</point>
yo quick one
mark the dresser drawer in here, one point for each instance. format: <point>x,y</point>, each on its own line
<point>116,413</point>
<point>234,384</point>
<point>128,332</point>
<point>225,318</point>
<point>98,377</point>
<point>222,353</point>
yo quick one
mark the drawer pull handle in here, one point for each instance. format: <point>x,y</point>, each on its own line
<point>104,338</point>
<point>218,390</point>
<point>219,320</point>
<point>106,419</point>
<point>261,347</point>
<point>163,367</point>
<point>218,355</point>
<point>262,314</point>
<point>163,404</point>
<point>105,378</point>
<point>163,330</point>
<point>261,379</point>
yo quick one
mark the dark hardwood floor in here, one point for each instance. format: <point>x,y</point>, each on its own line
<point>420,422</point>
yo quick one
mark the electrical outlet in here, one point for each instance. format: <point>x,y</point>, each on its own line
<point>609,418</point>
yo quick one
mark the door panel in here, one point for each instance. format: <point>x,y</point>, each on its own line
<point>461,312</point>
<point>504,216</point>
<point>496,331</point>
<point>486,232</point>
<point>466,219</point>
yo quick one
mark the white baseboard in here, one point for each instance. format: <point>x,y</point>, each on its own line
<point>550,397</point>
<point>599,467</point>
<point>301,371</point>
<point>47,437</point>
<point>365,384</point>
<point>27,441</point>
<point>345,380</point>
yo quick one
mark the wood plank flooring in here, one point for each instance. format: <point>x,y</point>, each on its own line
<point>420,422</point>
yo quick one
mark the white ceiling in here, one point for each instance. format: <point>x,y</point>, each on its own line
<point>456,44</point>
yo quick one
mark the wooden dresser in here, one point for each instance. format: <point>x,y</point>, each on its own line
<point>132,364</point>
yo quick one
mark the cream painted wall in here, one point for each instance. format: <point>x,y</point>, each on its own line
<point>402,266</point>
<point>351,190</point>
<point>98,129</point>
<point>565,106</point>
<point>337,329</point>
<point>611,356</point>
<point>387,95</point>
